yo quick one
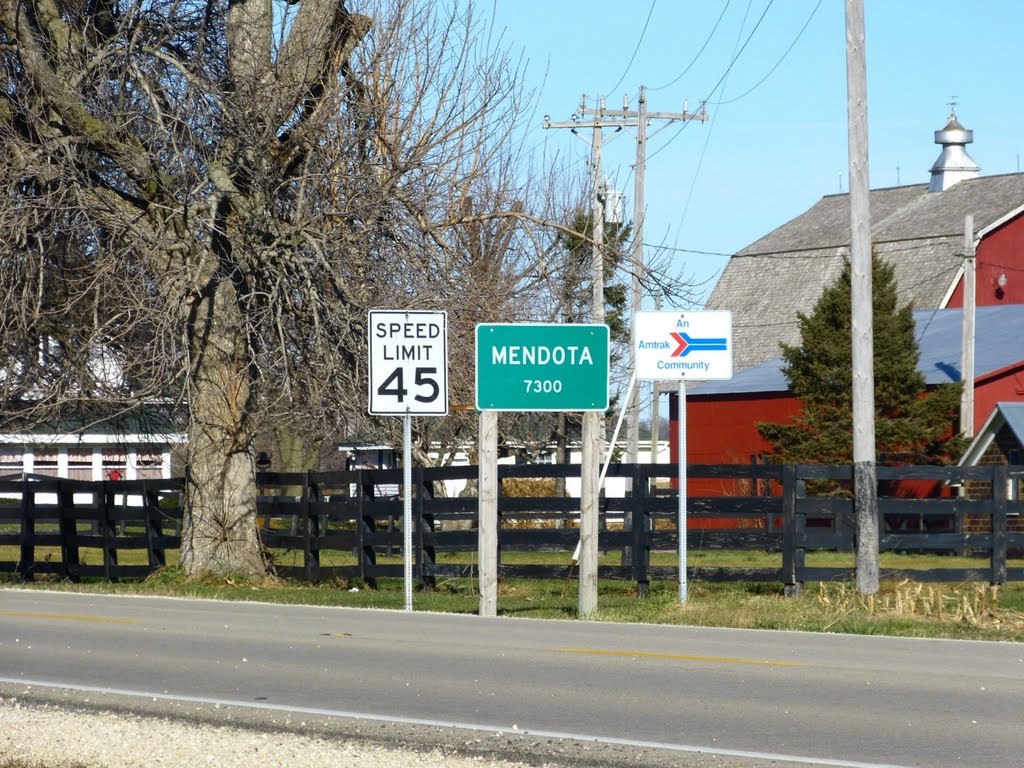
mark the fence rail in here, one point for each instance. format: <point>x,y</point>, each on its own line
<point>50,524</point>
<point>76,529</point>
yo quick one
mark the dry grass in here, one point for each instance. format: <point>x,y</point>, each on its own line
<point>974,604</point>
<point>906,609</point>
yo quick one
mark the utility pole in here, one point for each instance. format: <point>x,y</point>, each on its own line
<point>641,118</point>
<point>865,486</point>
<point>967,341</point>
<point>636,297</point>
<point>593,437</point>
<point>593,433</point>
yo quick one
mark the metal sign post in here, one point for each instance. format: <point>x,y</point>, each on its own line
<point>682,492</point>
<point>407,511</point>
<point>682,347</point>
<point>408,376</point>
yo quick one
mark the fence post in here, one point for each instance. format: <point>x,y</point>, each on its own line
<point>499,493</point>
<point>640,547</point>
<point>1000,482</point>
<point>367,527</point>
<point>26,565</point>
<point>107,531</point>
<point>426,554</point>
<point>154,527</point>
<point>68,531</point>
<point>791,564</point>
<point>311,541</point>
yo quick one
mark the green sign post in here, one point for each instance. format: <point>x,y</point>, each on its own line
<point>539,367</point>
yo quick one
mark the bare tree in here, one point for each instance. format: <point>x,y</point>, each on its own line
<point>214,193</point>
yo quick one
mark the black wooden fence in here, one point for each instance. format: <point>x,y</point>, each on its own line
<point>74,529</point>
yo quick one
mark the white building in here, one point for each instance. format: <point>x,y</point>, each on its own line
<point>88,455</point>
<point>613,486</point>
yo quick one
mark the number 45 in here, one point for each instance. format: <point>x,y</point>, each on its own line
<point>394,385</point>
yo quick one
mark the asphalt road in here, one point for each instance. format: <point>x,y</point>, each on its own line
<point>758,695</point>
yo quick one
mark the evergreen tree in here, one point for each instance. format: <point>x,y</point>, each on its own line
<point>575,291</point>
<point>912,425</point>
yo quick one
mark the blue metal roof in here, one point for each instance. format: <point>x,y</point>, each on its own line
<point>998,343</point>
<point>1009,414</point>
<point>1014,415</point>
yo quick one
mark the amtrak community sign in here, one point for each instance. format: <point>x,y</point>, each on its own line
<point>683,346</point>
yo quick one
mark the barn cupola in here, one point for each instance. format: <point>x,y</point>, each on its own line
<point>954,164</point>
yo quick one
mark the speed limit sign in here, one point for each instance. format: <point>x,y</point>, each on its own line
<point>408,363</point>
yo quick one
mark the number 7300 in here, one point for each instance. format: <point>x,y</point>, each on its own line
<point>543,386</point>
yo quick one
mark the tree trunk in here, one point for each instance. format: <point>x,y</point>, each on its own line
<point>219,533</point>
<point>297,451</point>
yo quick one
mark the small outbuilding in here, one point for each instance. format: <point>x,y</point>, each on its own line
<point>1000,442</point>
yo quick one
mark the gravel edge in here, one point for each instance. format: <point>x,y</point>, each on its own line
<point>55,728</point>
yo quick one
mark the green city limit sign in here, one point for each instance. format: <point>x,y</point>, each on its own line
<point>541,367</point>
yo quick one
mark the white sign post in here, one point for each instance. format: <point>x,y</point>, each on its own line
<point>408,376</point>
<point>682,346</point>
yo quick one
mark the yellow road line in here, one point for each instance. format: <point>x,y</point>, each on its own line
<point>679,656</point>
<point>69,617</point>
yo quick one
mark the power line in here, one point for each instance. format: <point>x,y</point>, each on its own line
<point>707,40</point>
<point>756,85</point>
<point>908,288</point>
<point>739,53</point>
<point>812,253</point>
<point>639,42</point>
<point>714,120</point>
<point>794,321</point>
<point>722,79</point>
<point>1008,267</point>
<point>677,249</point>
<point>640,119</point>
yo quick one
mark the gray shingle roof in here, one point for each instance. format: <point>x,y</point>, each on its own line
<point>767,283</point>
<point>997,345</point>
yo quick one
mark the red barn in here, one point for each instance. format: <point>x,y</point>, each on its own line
<point>920,230</point>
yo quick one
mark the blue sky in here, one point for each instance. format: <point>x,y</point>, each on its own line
<point>766,156</point>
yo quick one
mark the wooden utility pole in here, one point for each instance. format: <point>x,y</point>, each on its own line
<point>865,486</point>
<point>593,431</point>
<point>640,119</point>
<point>643,120</point>
<point>636,297</point>
<point>967,342</point>
<point>593,428</point>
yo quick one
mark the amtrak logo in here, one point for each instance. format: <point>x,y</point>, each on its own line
<point>688,345</point>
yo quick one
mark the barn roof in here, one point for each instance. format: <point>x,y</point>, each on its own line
<point>998,330</point>
<point>919,232</point>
